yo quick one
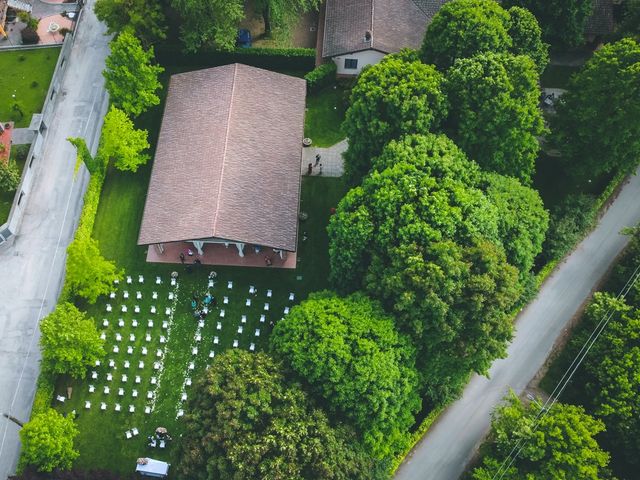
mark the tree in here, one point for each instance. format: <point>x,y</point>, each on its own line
<point>47,442</point>
<point>395,97</point>
<point>630,24</point>
<point>248,422</point>
<point>526,35</point>
<point>275,12</point>
<point>95,165</point>
<point>9,176</point>
<point>561,446</point>
<point>597,126</point>
<point>144,18</point>
<point>70,341</point>
<point>494,115</point>
<point>425,242</point>
<point>131,79</point>
<point>611,378</point>
<point>351,354</point>
<point>122,143</point>
<point>89,274</point>
<point>523,220</point>
<point>464,28</point>
<point>563,21</point>
<point>209,23</point>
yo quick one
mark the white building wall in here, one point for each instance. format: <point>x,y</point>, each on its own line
<point>365,57</point>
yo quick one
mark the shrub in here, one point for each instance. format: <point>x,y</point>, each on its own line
<point>570,221</point>
<point>29,36</point>
<point>29,19</point>
<point>321,76</point>
<point>34,84</point>
<point>9,176</point>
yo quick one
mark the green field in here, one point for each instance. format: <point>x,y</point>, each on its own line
<point>25,78</point>
<point>324,116</point>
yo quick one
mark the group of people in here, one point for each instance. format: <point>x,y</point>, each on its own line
<point>183,260</point>
<point>318,165</point>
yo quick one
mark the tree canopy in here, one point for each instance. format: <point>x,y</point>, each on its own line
<point>131,78</point>
<point>494,115</point>
<point>47,442</point>
<point>562,446</point>
<point>89,274</point>
<point>144,18</point>
<point>246,421</point>
<point>465,28</point>
<point>425,241</point>
<point>277,12</point>
<point>395,97</point>
<point>122,143</point>
<point>563,21</point>
<point>70,341</point>
<point>597,126</point>
<point>209,23</point>
<point>350,353</point>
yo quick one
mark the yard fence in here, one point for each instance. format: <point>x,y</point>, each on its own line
<point>39,124</point>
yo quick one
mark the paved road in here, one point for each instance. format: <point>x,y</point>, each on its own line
<point>31,271</point>
<point>450,444</point>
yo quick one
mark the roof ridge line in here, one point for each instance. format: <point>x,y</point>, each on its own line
<point>224,150</point>
<point>373,6</point>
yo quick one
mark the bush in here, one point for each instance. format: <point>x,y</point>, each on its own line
<point>320,77</point>
<point>9,176</point>
<point>301,59</point>
<point>570,221</point>
<point>29,36</point>
<point>29,19</point>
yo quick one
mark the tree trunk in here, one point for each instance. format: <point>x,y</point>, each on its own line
<point>267,20</point>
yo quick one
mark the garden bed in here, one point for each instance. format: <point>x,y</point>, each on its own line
<point>19,155</point>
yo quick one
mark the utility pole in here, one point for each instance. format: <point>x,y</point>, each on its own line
<point>13,419</point>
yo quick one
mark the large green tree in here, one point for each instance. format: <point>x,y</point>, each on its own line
<point>522,222</point>
<point>350,353</point>
<point>494,115</point>
<point>131,77</point>
<point>47,442</point>
<point>563,21</point>
<point>597,126</point>
<point>630,24</point>
<point>425,241</point>
<point>464,28</point>
<point>398,96</point>
<point>144,17</point>
<point>70,341</point>
<point>209,23</point>
<point>560,444</point>
<point>89,274</point>
<point>246,421</point>
<point>121,143</point>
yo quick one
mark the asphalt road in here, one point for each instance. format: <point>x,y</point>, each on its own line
<point>451,443</point>
<point>32,269</point>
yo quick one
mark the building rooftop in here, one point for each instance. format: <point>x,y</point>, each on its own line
<point>227,164</point>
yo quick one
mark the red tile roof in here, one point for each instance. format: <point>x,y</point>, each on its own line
<point>227,164</point>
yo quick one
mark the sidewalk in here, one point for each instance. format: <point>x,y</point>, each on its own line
<point>32,269</point>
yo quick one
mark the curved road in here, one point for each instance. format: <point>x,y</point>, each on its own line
<point>451,442</point>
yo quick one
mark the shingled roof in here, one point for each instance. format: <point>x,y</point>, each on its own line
<point>601,20</point>
<point>391,25</point>
<point>227,164</point>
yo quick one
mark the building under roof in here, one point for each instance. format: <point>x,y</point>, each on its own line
<point>227,163</point>
<point>361,32</point>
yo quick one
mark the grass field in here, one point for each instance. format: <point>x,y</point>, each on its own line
<point>19,155</point>
<point>325,113</point>
<point>25,78</point>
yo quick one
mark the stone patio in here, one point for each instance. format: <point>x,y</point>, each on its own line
<point>330,159</point>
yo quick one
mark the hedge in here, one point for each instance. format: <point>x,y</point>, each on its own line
<point>301,59</point>
<point>321,76</point>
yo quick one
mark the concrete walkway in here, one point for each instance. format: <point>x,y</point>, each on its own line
<point>32,270</point>
<point>330,159</point>
<point>22,136</point>
<point>445,451</point>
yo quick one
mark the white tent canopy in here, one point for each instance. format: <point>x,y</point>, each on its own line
<point>153,468</point>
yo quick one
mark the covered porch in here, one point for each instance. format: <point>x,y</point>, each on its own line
<point>221,254</point>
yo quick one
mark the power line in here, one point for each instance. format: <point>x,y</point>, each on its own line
<point>568,375</point>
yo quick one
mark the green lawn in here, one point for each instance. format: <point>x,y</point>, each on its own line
<point>557,76</point>
<point>25,74</point>
<point>18,154</point>
<point>324,116</point>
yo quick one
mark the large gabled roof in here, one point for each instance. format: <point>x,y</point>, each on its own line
<point>227,164</point>
<point>391,25</point>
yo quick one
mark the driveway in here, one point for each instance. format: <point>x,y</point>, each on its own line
<point>451,443</point>
<point>32,270</point>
